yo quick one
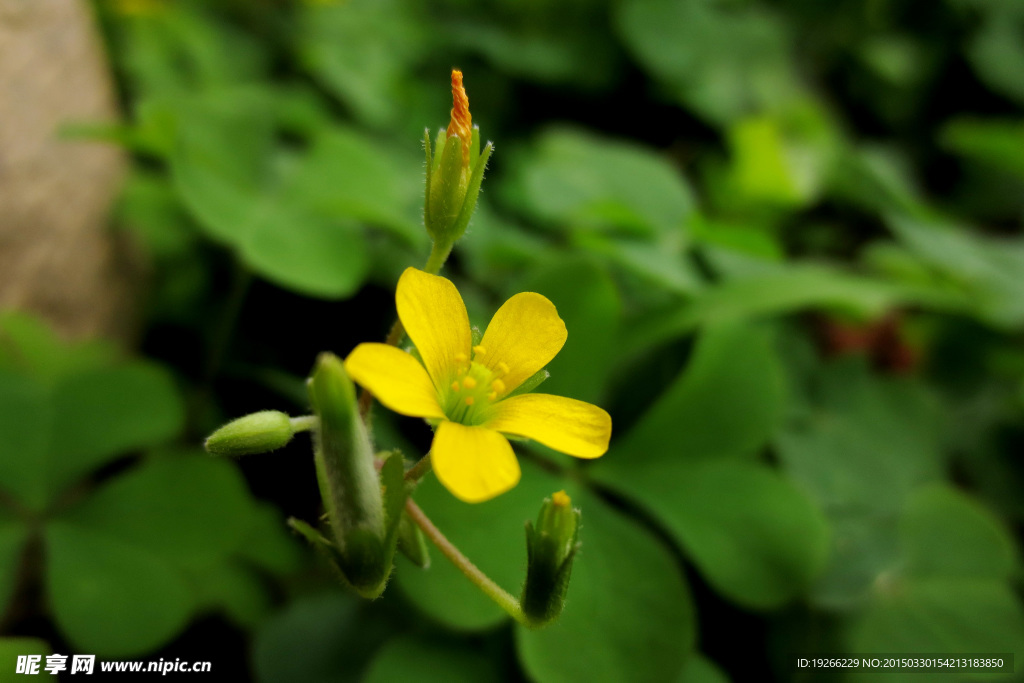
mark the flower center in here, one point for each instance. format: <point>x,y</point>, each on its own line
<point>474,388</point>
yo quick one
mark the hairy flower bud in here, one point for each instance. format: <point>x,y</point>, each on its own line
<point>551,546</point>
<point>455,170</point>
<point>348,481</point>
<point>259,432</point>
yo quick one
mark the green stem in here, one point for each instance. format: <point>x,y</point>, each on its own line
<point>499,595</point>
<point>303,424</point>
<point>438,255</point>
<point>422,466</point>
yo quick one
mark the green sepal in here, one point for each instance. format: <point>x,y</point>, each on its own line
<point>475,335</point>
<point>260,432</point>
<point>429,174</point>
<point>412,543</point>
<point>442,139</point>
<point>530,383</point>
<point>474,145</point>
<point>348,479</point>
<point>396,492</point>
<point>447,192</point>
<point>472,192</point>
<point>323,547</point>
<point>551,547</point>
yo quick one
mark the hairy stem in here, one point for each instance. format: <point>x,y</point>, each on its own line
<point>422,466</point>
<point>304,423</point>
<point>499,595</point>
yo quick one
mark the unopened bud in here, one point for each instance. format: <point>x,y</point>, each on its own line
<point>551,546</point>
<point>455,170</point>
<point>348,480</point>
<point>260,432</point>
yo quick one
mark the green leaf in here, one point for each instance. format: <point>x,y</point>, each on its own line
<point>726,403</point>
<point>30,346</point>
<point>628,614</point>
<point>990,271</point>
<point>408,659</point>
<point>110,597</point>
<point>234,589</point>
<point>361,51</point>
<point>229,174</point>
<point>12,648</point>
<point>722,61</point>
<point>775,291</point>
<point>754,536</point>
<point>313,255</point>
<point>940,615</point>
<point>867,442</point>
<point>1000,143</point>
<point>25,430</point>
<point>348,176</point>
<point>700,669</point>
<point>321,638</point>
<point>101,414</point>
<point>580,179</point>
<point>948,589</point>
<point>13,535</point>
<point>190,510</point>
<point>948,534</point>
<point>663,262</point>
<point>589,304</point>
<point>267,543</point>
<point>996,54</point>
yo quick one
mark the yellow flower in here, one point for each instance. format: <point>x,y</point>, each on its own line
<point>466,389</point>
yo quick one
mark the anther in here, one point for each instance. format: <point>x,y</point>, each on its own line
<point>479,350</point>
<point>498,386</point>
<point>469,400</point>
<point>492,396</point>
<point>461,357</point>
<point>503,367</point>
<point>455,386</point>
<point>469,382</point>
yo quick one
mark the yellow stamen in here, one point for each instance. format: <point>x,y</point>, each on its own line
<point>455,386</point>
<point>561,499</point>
<point>461,123</point>
<point>461,357</point>
<point>479,350</point>
<point>498,386</point>
<point>492,396</point>
<point>469,382</point>
<point>503,368</point>
<point>469,400</point>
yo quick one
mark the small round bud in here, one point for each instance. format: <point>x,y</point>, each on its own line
<point>260,432</point>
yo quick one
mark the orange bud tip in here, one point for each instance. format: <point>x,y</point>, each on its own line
<point>461,123</point>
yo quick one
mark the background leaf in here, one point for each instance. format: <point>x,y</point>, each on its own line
<point>110,597</point>
<point>628,614</point>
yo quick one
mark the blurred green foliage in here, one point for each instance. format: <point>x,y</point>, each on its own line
<point>785,237</point>
<point>132,550</point>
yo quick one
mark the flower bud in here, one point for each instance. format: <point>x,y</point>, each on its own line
<point>551,546</point>
<point>455,170</point>
<point>260,432</point>
<point>348,481</point>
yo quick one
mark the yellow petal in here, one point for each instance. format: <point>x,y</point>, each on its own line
<point>474,463</point>
<point>432,312</point>
<point>395,378</point>
<point>565,424</point>
<point>524,335</point>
